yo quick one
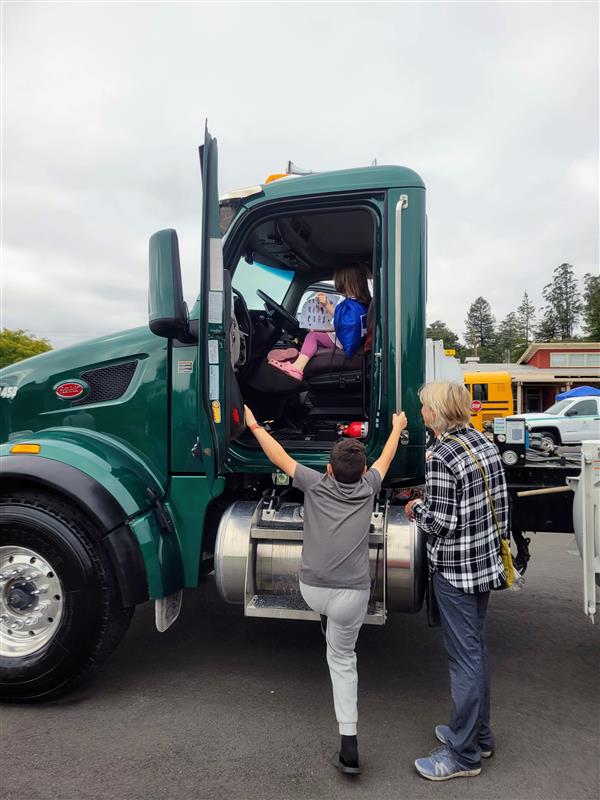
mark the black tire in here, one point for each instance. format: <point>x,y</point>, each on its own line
<point>551,437</point>
<point>92,620</point>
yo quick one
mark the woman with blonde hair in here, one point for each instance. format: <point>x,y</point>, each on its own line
<point>464,513</point>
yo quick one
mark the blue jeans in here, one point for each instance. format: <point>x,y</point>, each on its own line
<point>463,618</point>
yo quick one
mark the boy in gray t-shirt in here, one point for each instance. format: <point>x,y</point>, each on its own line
<point>337,516</point>
<point>334,575</point>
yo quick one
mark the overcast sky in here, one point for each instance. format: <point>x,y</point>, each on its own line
<point>495,105</point>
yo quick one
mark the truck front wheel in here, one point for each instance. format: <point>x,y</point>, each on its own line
<point>60,610</point>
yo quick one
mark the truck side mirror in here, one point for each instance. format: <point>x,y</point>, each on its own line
<point>167,311</point>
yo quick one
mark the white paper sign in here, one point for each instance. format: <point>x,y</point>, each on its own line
<point>315,317</point>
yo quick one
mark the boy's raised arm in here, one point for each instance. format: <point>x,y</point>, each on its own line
<point>272,449</point>
<point>399,423</point>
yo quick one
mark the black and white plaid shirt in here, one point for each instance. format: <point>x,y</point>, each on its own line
<point>462,540</point>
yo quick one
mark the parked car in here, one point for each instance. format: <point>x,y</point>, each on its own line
<point>569,421</point>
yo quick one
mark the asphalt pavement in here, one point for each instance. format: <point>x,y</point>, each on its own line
<point>224,707</point>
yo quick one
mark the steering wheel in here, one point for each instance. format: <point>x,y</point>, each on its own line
<point>288,321</point>
<point>245,328</point>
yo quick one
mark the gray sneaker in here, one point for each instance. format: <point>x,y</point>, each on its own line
<point>441,732</point>
<point>441,765</point>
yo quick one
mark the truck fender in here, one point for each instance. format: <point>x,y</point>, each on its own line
<point>122,496</point>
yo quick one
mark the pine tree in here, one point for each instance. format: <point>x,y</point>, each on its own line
<point>547,330</point>
<point>480,332</point>
<point>563,303</point>
<point>526,319</point>
<point>510,340</point>
<point>591,306</point>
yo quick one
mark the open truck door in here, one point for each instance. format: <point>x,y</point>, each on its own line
<point>586,522</point>
<point>219,390</point>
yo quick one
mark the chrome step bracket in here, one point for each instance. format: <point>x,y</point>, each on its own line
<point>289,516</point>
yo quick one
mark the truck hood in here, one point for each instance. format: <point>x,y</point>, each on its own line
<point>537,416</point>
<point>29,401</point>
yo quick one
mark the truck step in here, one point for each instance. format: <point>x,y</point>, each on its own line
<point>292,606</point>
<point>281,534</point>
<point>291,535</point>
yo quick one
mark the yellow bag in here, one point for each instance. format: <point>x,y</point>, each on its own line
<point>507,561</point>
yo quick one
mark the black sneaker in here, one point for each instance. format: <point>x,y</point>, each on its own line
<point>338,763</point>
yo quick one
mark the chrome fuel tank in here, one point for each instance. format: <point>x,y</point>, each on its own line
<point>259,549</point>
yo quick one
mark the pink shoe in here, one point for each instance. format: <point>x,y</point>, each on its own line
<point>283,355</point>
<point>286,367</point>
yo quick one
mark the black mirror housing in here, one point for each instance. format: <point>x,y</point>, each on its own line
<point>167,311</point>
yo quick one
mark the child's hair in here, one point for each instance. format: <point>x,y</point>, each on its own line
<point>348,460</point>
<point>352,282</point>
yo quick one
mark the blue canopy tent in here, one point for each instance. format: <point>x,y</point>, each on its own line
<point>579,391</point>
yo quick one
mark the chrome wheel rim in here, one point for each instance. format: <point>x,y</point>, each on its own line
<point>31,601</point>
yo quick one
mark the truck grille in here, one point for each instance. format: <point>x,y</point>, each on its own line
<point>106,383</point>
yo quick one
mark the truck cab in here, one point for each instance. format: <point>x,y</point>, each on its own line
<point>127,472</point>
<point>289,236</point>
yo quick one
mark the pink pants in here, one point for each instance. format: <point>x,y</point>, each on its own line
<point>314,340</point>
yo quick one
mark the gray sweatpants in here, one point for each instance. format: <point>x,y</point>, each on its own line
<point>345,610</point>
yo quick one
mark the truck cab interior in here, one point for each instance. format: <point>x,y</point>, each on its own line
<point>277,267</point>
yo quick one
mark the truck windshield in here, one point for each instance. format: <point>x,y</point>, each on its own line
<point>559,407</point>
<point>250,277</point>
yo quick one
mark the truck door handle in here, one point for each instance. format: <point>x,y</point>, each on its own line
<point>197,449</point>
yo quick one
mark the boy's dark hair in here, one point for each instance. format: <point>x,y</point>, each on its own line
<point>348,460</point>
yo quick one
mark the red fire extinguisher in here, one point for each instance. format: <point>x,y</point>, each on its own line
<point>355,430</point>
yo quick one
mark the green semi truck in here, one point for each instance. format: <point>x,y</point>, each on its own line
<point>127,474</point>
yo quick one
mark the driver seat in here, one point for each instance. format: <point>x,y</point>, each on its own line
<point>338,385</point>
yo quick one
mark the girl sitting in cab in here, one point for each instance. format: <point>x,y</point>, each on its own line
<point>349,324</point>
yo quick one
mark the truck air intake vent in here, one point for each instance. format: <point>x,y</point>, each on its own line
<point>106,383</point>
